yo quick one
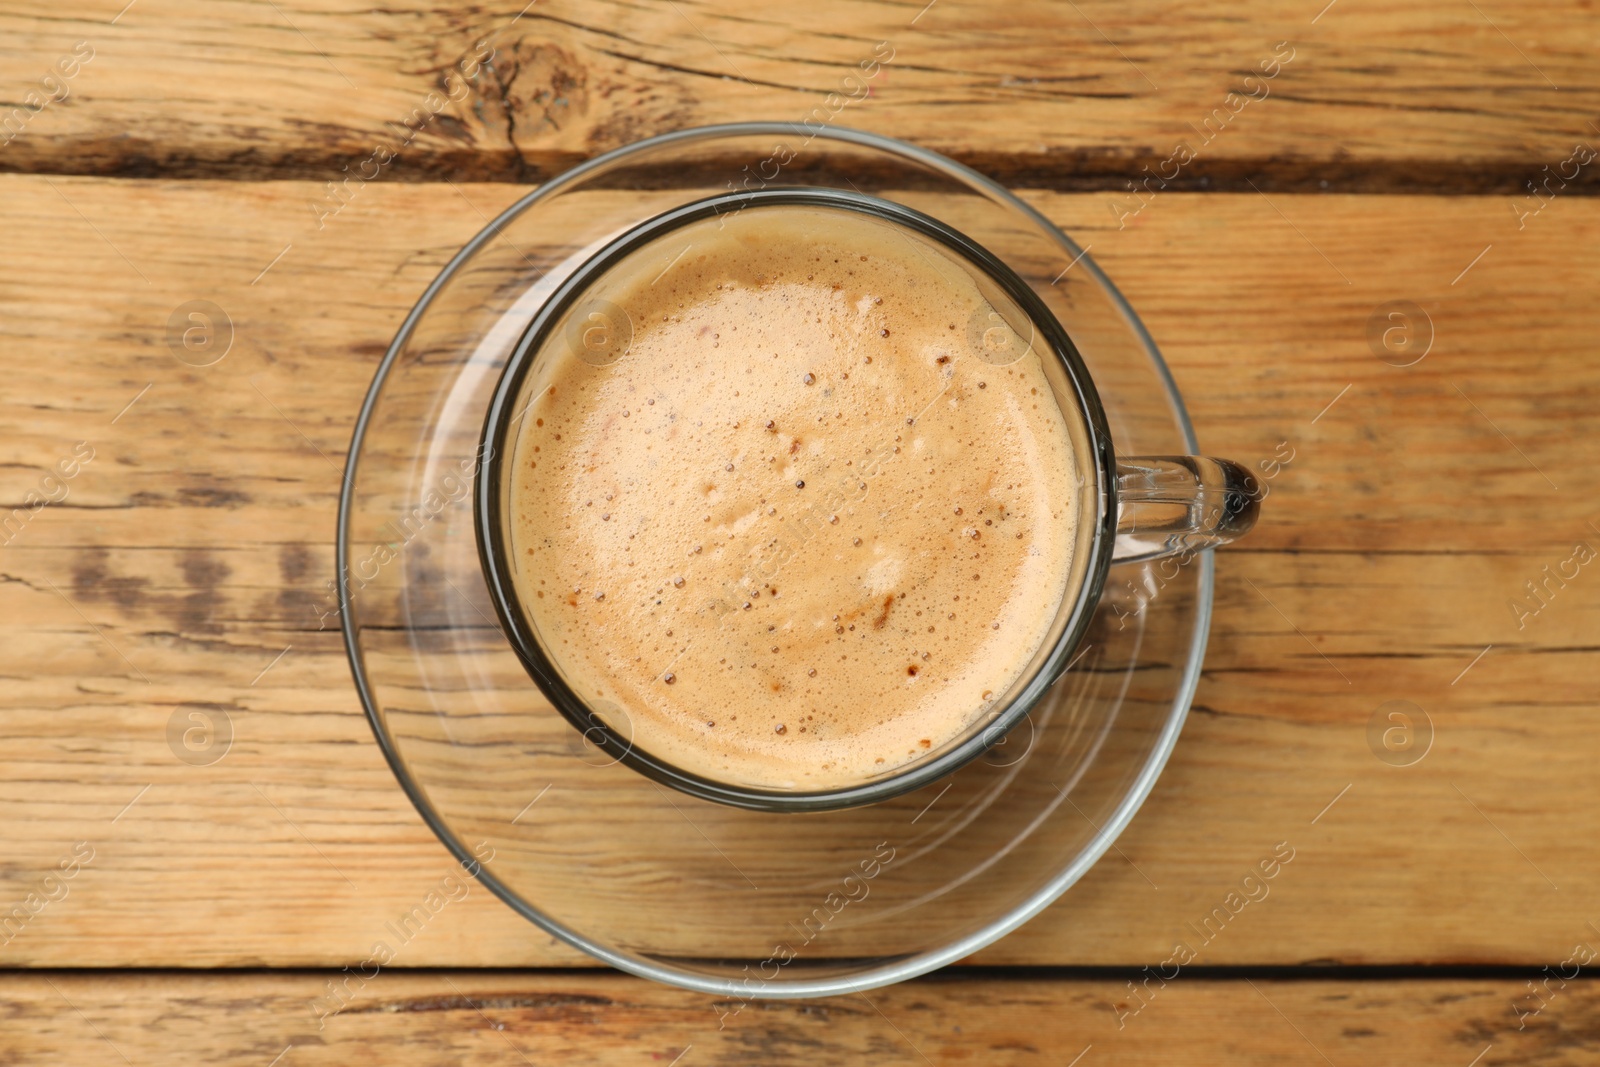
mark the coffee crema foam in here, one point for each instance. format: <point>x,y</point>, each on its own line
<point>800,531</point>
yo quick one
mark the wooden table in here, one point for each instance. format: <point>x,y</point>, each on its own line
<point>1440,909</point>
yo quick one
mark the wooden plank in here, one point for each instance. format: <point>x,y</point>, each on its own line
<point>1365,95</point>
<point>405,1018</point>
<point>192,551</point>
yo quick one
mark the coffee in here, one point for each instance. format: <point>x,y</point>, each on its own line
<point>780,506</point>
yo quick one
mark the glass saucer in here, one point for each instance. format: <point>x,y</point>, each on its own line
<point>728,901</point>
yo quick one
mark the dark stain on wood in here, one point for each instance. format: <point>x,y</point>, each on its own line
<point>205,574</point>
<point>297,598</point>
<point>294,563</point>
<point>211,496</point>
<point>93,580</point>
<point>542,1004</point>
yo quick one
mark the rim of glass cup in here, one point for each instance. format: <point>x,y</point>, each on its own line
<point>497,443</point>
<point>895,970</point>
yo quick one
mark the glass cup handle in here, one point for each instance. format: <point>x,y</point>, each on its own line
<point>1167,505</point>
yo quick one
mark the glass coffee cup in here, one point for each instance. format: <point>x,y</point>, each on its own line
<point>1129,509</point>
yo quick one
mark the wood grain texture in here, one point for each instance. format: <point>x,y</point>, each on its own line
<point>1436,97</point>
<point>1005,1021</point>
<point>193,550</point>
